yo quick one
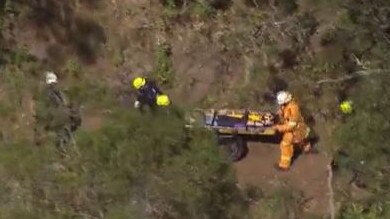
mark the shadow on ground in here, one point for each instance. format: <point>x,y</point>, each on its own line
<point>308,174</point>
<point>237,146</point>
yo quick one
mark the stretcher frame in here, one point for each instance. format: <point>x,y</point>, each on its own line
<point>209,119</point>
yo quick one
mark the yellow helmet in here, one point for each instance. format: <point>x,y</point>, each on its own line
<point>138,82</point>
<point>346,107</point>
<point>163,100</point>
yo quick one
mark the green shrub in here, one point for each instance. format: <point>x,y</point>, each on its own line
<point>92,92</point>
<point>163,71</point>
<point>203,9</point>
<point>283,203</point>
<point>73,68</point>
<point>363,211</point>
<point>363,151</point>
<point>16,83</point>
<point>137,166</point>
<point>363,134</point>
<point>20,56</point>
<point>179,174</point>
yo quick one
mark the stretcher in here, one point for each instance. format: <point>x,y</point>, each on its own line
<point>236,122</point>
<point>231,127</point>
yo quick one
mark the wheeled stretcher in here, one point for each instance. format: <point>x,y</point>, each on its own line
<point>239,122</point>
<point>235,125</point>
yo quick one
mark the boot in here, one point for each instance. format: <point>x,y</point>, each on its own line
<point>281,169</point>
<point>308,149</point>
<point>312,151</point>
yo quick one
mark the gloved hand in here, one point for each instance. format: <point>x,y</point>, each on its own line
<point>137,104</point>
<point>275,127</point>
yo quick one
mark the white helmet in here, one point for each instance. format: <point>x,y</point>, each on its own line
<point>283,97</point>
<point>51,77</point>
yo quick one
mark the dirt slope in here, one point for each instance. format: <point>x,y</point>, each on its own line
<point>308,174</point>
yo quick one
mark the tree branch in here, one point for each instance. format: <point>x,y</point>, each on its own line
<point>331,193</point>
<point>353,75</point>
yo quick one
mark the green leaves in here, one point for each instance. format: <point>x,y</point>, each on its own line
<point>142,165</point>
<point>163,71</point>
<point>364,139</point>
<point>179,174</point>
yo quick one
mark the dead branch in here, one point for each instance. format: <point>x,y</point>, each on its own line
<point>255,3</point>
<point>74,144</point>
<point>275,30</point>
<point>358,62</point>
<point>353,75</point>
<point>331,193</point>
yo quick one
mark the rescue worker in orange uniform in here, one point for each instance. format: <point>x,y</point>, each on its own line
<point>293,127</point>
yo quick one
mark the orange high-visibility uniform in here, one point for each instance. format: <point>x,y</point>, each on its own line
<point>294,130</point>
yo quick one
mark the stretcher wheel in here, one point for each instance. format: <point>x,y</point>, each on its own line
<point>234,146</point>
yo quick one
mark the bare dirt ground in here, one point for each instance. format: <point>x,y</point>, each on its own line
<point>307,175</point>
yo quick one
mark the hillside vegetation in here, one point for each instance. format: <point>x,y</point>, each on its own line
<point>204,53</point>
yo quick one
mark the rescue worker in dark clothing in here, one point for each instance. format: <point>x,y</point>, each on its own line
<point>149,94</point>
<point>55,114</point>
